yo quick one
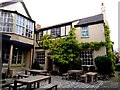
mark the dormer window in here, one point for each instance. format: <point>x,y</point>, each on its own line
<point>84,31</point>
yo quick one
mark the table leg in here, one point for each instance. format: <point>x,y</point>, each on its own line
<point>26,72</point>
<point>86,79</point>
<point>34,85</point>
<point>29,86</point>
<point>38,84</point>
<point>49,80</point>
<point>68,76</point>
<point>76,77</point>
<point>92,79</point>
<point>96,78</point>
<point>15,85</point>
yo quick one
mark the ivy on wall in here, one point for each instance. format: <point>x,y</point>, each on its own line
<point>108,41</point>
<point>92,45</point>
<point>109,46</point>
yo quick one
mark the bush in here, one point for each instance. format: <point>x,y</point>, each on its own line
<point>104,65</point>
<point>117,67</point>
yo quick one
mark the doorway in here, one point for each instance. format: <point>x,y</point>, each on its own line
<point>49,64</point>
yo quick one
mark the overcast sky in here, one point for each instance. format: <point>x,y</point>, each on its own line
<point>51,12</point>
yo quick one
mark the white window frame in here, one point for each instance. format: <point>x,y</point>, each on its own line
<point>84,31</point>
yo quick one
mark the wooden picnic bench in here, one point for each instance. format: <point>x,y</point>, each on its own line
<point>31,80</point>
<point>36,72</point>
<point>22,76</point>
<point>6,83</point>
<point>48,87</point>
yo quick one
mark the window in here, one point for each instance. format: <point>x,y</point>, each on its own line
<point>85,31</point>
<point>17,56</point>
<point>41,57</point>
<point>87,57</point>
<point>67,29</point>
<point>29,29</point>
<point>40,35</point>
<point>20,25</point>
<point>55,32</point>
<point>5,56</point>
<point>63,31</point>
<point>6,22</point>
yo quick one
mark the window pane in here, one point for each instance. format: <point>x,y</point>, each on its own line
<point>85,31</point>
<point>86,57</point>
<point>41,57</point>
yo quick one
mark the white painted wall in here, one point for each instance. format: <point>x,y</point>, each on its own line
<point>96,33</point>
<point>16,7</point>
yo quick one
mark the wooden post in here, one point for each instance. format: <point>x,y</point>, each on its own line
<point>10,60</point>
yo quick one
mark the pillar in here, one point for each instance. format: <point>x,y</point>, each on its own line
<point>31,57</point>
<point>46,62</point>
<point>10,57</point>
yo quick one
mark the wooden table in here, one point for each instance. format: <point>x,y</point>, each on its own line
<point>92,75</point>
<point>32,71</point>
<point>31,80</point>
<point>77,73</point>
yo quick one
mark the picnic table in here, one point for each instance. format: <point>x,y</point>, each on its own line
<point>77,73</point>
<point>35,72</point>
<point>31,80</point>
<point>91,75</point>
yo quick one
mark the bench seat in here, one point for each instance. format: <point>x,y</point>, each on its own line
<point>22,76</point>
<point>12,85</point>
<point>83,77</point>
<point>47,87</point>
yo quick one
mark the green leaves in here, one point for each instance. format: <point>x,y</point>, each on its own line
<point>45,41</point>
<point>92,45</point>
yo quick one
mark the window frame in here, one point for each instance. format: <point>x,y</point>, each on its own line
<point>85,31</point>
<point>40,58</point>
<point>87,58</point>
<point>56,32</point>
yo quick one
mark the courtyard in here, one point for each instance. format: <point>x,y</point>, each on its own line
<point>111,83</point>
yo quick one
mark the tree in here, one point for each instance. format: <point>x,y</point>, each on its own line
<point>64,50</point>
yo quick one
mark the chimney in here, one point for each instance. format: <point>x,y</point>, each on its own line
<point>102,8</point>
<point>38,26</point>
<point>103,11</point>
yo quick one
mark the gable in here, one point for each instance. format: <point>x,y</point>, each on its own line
<point>15,6</point>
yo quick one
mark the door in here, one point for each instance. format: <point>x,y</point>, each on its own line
<point>49,64</point>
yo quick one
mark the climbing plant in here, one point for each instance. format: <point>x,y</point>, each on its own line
<point>109,47</point>
<point>45,41</point>
<point>92,45</point>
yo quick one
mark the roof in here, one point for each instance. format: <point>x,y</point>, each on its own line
<point>7,3</point>
<point>17,13</point>
<point>57,25</point>
<point>91,20</point>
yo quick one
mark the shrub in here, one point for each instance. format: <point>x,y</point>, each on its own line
<point>117,67</point>
<point>104,65</point>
